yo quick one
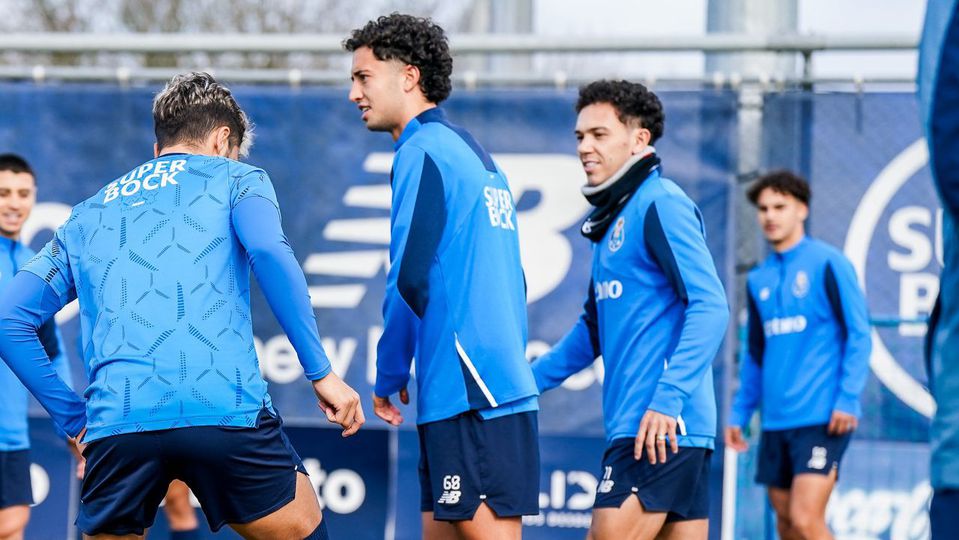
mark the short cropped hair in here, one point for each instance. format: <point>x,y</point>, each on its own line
<point>15,164</point>
<point>780,181</point>
<point>194,104</point>
<point>414,41</point>
<point>633,103</point>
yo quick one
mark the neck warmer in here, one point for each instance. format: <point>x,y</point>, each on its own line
<point>609,197</point>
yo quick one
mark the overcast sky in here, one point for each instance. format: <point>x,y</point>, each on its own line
<point>688,17</point>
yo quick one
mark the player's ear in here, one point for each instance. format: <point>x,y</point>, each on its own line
<point>411,77</point>
<point>640,138</point>
<point>221,141</point>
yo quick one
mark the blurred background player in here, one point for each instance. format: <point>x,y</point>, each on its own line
<point>939,105</point>
<point>455,292</point>
<point>18,193</point>
<point>657,313</point>
<point>175,389</point>
<point>180,514</point>
<point>809,346</point>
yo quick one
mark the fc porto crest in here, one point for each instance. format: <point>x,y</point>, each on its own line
<point>619,234</point>
<point>764,294</point>
<point>801,285</point>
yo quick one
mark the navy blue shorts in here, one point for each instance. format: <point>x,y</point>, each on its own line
<point>679,487</point>
<point>465,461</point>
<point>15,486</point>
<point>806,450</point>
<point>944,514</point>
<point>238,475</point>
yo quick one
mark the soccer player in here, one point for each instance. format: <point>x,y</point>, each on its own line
<point>808,357</point>
<point>18,193</point>
<point>160,261</point>
<point>939,105</point>
<point>455,292</point>
<point>657,313</point>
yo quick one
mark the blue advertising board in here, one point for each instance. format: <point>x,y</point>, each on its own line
<point>872,197</point>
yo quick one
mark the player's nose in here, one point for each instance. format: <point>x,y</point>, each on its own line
<point>355,94</point>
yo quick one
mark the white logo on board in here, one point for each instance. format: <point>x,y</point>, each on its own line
<point>546,252</point>
<point>919,288</point>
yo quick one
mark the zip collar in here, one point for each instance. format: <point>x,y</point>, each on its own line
<point>434,114</point>
<point>790,254</point>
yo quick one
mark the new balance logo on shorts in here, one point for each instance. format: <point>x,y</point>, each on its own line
<point>606,485</point>
<point>818,459</point>
<point>451,490</point>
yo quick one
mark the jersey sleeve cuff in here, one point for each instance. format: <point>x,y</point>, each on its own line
<point>387,384</point>
<point>667,401</point>
<point>74,427</point>
<point>849,405</point>
<point>317,374</point>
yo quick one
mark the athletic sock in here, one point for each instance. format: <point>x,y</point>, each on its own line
<point>320,532</point>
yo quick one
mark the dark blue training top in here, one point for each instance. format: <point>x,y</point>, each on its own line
<point>939,104</point>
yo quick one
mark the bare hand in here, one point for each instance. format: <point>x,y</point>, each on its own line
<point>842,423</point>
<point>340,403</point>
<point>735,440</point>
<point>384,408</point>
<point>654,430</point>
<point>76,448</point>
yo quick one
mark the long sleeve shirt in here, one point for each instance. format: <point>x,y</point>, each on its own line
<point>808,339</point>
<point>14,431</point>
<point>455,292</point>
<point>160,261</point>
<point>657,313</point>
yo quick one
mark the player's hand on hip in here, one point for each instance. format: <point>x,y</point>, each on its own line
<point>76,448</point>
<point>735,439</point>
<point>76,444</point>
<point>842,423</point>
<point>340,403</point>
<point>654,431</point>
<point>384,408</point>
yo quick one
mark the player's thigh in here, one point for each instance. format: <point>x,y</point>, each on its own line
<point>810,494</point>
<point>13,521</point>
<point>438,530</point>
<point>628,522</point>
<point>298,519</point>
<point>779,499</point>
<point>694,529</point>
<point>487,525</point>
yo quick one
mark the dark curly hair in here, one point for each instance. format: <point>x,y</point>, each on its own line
<point>632,101</point>
<point>413,40</point>
<point>780,181</point>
